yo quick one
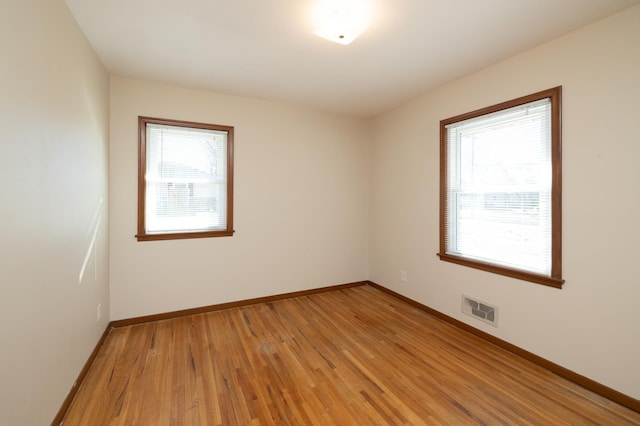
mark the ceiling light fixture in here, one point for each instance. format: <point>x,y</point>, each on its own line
<point>341,21</point>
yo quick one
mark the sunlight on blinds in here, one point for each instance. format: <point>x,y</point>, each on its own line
<point>499,187</point>
<point>186,174</point>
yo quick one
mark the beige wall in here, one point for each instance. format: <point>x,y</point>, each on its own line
<point>316,204</point>
<point>54,165</point>
<point>591,326</point>
<point>301,204</point>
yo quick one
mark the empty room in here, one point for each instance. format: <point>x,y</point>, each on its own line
<point>319,212</point>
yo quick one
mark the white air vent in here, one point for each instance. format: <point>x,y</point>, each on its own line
<point>480,310</point>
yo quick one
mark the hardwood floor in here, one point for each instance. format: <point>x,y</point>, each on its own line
<point>348,357</point>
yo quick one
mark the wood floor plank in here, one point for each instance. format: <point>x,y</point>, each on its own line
<point>355,356</point>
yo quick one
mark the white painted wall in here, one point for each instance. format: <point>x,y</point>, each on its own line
<point>53,167</point>
<point>592,325</point>
<point>301,204</point>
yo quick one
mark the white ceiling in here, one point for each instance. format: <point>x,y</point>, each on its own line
<point>266,48</point>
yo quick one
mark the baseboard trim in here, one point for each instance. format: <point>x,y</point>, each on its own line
<point>62,412</point>
<point>219,307</point>
<point>572,376</point>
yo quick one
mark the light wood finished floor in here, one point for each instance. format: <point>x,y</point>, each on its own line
<point>355,356</point>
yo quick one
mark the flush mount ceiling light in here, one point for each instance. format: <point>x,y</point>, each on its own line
<point>341,21</point>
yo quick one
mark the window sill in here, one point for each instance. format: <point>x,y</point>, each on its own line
<point>183,235</point>
<point>501,270</point>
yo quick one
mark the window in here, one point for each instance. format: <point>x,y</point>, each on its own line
<point>500,188</point>
<point>185,180</point>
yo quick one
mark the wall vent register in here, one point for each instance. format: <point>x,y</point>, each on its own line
<point>480,310</point>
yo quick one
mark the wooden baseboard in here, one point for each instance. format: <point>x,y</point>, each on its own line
<point>219,307</point>
<point>574,377</point>
<point>62,412</point>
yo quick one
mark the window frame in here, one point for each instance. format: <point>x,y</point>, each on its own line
<point>555,277</point>
<point>142,235</point>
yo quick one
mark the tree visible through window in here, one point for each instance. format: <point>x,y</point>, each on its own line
<point>500,188</point>
<point>185,180</point>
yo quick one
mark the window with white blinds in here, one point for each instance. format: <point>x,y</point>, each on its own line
<point>185,180</point>
<point>500,188</point>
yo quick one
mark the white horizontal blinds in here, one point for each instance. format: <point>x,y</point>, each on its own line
<point>499,188</point>
<point>186,187</point>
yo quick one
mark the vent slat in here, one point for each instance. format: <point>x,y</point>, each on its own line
<point>480,310</point>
